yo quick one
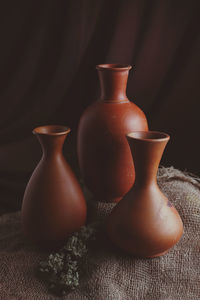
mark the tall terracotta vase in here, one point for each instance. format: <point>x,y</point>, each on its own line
<point>53,205</point>
<point>104,156</point>
<point>144,223</point>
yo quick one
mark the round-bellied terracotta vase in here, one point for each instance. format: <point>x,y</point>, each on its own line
<point>104,155</point>
<point>144,223</point>
<point>53,205</point>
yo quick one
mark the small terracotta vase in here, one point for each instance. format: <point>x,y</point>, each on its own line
<point>144,223</point>
<point>53,205</point>
<point>104,156</point>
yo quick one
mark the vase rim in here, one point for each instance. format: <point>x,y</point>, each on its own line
<point>113,67</point>
<point>151,136</point>
<point>51,130</point>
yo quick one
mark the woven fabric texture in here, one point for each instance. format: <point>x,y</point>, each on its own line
<point>108,273</point>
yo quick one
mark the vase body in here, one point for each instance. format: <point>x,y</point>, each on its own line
<point>104,155</point>
<point>144,223</point>
<point>53,205</point>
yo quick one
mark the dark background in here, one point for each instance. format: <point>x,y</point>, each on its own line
<point>48,54</point>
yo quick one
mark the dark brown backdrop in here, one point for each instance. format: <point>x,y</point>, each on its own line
<point>48,54</point>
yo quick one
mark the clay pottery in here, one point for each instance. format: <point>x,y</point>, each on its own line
<point>104,155</point>
<point>53,204</point>
<point>144,223</point>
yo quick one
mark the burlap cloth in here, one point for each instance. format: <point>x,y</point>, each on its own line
<point>109,274</point>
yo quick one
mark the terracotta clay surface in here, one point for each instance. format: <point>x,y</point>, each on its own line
<point>144,223</point>
<point>53,205</point>
<point>104,155</point>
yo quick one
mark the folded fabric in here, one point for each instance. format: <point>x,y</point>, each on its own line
<point>108,274</point>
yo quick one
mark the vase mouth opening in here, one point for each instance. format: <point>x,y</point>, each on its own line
<point>155,136</point>
<point>51,130</point>
<point>113,67</point>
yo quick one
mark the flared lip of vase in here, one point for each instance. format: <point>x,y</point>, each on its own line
<point>113,67</point>
<point>51,130</point>
<point>148,136</point>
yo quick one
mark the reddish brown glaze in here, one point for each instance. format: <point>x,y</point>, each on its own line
<point>104,156</point>
<point>143,223</point>
<point>53,205</point>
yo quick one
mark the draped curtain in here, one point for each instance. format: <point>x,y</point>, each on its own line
<point>48,53</point>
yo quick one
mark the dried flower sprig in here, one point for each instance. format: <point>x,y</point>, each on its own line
<point>61,269</point>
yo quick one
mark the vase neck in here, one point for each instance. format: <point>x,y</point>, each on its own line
<point>51,145</point>
<point>113,82</point>
<point>147,154</point>
<point>51,138</point>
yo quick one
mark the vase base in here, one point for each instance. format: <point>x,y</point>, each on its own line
<point>159,254</point>
<point>152,256</point>
<point>109,200</point>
